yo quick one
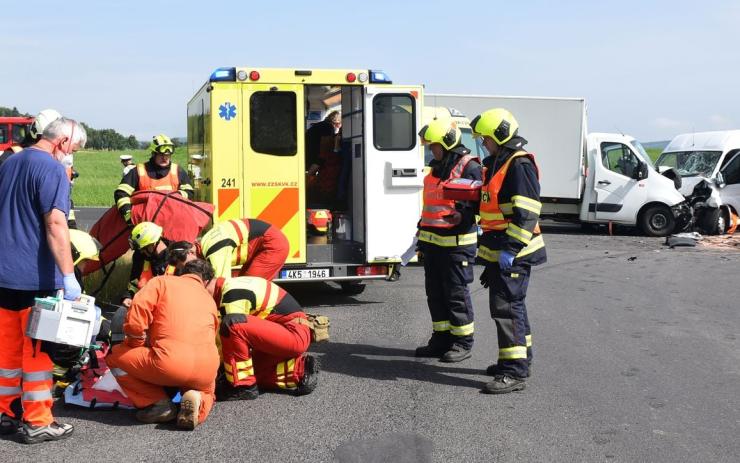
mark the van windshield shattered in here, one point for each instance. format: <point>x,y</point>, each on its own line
<point>691,163</point>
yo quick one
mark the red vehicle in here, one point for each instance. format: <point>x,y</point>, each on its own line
<point>13,130</point>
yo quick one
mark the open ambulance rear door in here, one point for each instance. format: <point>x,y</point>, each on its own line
<point>394,170</point>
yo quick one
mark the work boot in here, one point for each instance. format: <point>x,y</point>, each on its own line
<point>54,431</point>
<point>189,410</point>
<point>437,345</point>
<point>310,376</point>
<point>8,424</point>
<point>457,353</point>
<point>158,412</point>
<point>227,392</point>
<point>503,384</point>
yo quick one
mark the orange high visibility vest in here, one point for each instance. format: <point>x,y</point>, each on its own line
<point>435,206</point>
<point>491,215</point>
<point>170,182</point>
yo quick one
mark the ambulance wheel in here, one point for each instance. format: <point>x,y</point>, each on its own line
<point>352,288</point>
<point>657,220</point>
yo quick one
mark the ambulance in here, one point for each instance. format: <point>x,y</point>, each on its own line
<point>247,148</point>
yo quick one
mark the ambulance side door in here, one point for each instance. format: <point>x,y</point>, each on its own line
<point>394,169</point>
<point>273,166</point>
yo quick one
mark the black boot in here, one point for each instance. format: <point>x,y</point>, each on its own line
<point>310,376</point>
<point>437,345</point>
<point>227,392</point>
<point>456,353</point>
<point>503,384</point>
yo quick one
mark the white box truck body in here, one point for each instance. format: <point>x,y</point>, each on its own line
<point>590,178</point>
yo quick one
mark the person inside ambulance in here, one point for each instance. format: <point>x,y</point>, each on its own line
<point>170,332</point>
<point>323,156</point>
<point>258,247</point>
<point>447,239</point>
<point>149,259</point>
<point>511,243</point>
<point>264,336</point>
<point>159,174</point>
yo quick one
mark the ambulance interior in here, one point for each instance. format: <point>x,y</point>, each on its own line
<point>333,197</point>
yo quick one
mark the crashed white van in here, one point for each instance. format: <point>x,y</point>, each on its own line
<point>698,158</point>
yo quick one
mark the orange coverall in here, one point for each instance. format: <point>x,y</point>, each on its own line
<point>170,341</point>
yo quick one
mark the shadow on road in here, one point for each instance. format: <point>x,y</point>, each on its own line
<point>355,360</point>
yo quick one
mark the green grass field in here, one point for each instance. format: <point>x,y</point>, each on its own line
<point>101,172</point>
<point>653,153</point>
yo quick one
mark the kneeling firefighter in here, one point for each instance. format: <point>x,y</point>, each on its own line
<point>511,243</point>
<point>264,337</point>
<point>447,239</point>
<point>149,260</point>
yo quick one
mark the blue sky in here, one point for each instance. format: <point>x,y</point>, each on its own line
<point>650,69</point>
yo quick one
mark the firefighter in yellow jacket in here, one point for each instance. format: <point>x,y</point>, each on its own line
<point>447,239</point>
<point>159,174</point>
<point>511,243</point>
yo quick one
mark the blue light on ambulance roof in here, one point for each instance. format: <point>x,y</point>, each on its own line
<point>379,77</point>
<point>223,75</point>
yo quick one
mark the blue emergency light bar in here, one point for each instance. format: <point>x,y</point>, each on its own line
<point>223,75</point>
<point>379,77</point>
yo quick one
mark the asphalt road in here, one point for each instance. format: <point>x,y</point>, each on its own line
<point>637,358</point>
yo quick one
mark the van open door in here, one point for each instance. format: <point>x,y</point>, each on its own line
<point>273,164</point>
<point>394,169</point>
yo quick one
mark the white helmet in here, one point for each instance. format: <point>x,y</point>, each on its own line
<point>44,118</point>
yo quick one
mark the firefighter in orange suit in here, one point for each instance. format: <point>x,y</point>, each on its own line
<point>511,243</point>
<point>169,331</point>
<point>447,239</point>
<point>264,337</point>
<point>258,247</point>
<point>159,173</point>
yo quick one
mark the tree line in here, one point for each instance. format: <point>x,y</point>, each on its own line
<point>97,139</point>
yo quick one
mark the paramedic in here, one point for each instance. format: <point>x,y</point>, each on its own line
<point>323,156</point>
<point>159,174</point>
<point>35,261</point>
<point>258,247</point>
<point>447,240</point>
<point>511,243</point>
<point>264,337</point>
<point>170,333</point>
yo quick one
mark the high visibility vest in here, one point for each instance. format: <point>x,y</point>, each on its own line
<point>170,182</point>
<point>492,217</point>
<point>435,206</point>
<point>16,148</point>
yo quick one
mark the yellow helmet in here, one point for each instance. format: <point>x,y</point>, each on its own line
<point>83,246</point>
<point>497,123</point>
<point>443,131</point>
<point>144,234</point>
<point>162,144</point>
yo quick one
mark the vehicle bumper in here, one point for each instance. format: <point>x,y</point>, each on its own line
<point>683,215</point>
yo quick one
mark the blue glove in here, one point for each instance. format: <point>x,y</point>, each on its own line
<point>505,260</point>
<point>72,290</point>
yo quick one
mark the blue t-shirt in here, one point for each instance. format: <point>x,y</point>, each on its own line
<point>32,183</point>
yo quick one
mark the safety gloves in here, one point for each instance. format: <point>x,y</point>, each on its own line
<point>72,290</point>
<point>231,319</point>
<point>484,277</point>
<point>505,260</point>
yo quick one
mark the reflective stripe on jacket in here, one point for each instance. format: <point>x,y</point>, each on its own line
<point>170,182</point>
<point>435,206</point>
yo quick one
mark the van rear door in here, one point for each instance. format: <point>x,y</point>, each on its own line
<point>273,164</point>
<point>394,169</point>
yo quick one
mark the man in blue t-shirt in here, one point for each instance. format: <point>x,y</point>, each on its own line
<point>35,260</point>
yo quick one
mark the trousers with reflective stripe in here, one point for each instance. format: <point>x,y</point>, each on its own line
<point>507,292</point>
<point>447,273</point>
<point>267,352</point>
<point>25,371</point>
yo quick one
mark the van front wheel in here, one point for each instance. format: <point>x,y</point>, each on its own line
<point>657,221</point>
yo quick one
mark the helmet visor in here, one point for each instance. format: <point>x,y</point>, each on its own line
<point>164,149</point>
